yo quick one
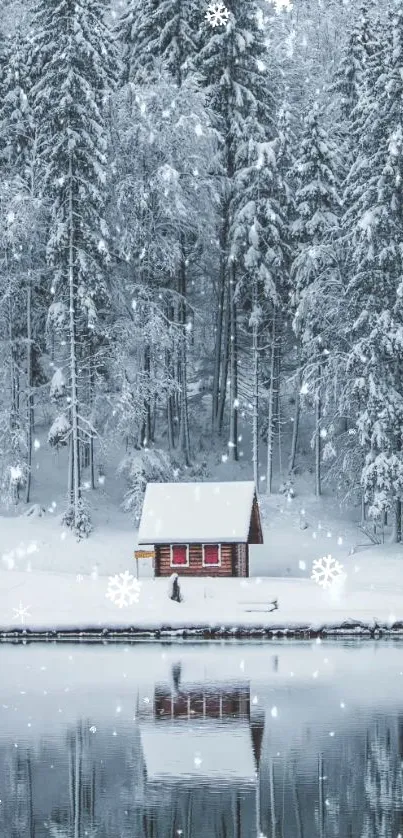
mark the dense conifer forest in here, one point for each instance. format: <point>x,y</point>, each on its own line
<point>201,243</point>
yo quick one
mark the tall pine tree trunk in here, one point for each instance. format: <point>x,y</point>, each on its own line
<point>295,427</point>
<point>318,438</point>
<point>184,437</point>
<point>145,432</point>
<point>233,348</point>
<point>270,419</point>
<point>255,398</point>
<point>170,400</point>
<point>219,328</point>
<point>397,524</point>
<point>30,397</point>
<point>73,361</point>
<point>277,398</point>
<point>225,362</point>
<point>91,383</point>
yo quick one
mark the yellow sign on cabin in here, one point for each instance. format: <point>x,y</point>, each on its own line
<point>144,554</point>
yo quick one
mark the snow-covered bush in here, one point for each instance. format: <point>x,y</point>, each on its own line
<point>150,465</point>
<point>83,526</point>
<point>57,316</point>
<point>287,489</point>
<point>35,511</point>
<point>57,385</point>
<point>59,431</point>
<point>198,471</point>
<point>17,480</point>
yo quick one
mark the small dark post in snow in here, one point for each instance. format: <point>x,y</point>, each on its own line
<point>174,591</point>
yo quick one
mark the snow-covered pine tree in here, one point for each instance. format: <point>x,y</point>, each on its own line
<point>158,34</point>
<point>353,96</point>
<point>135,33</point>
<point>375,293</point>
<point>20,244</point>
<point>163,196</point>
<point>315,267</point>
<point>167,31</point>
<point>74,46</point>
<point>261,222</point>
<point>233,63</point>
<point>176,27</point>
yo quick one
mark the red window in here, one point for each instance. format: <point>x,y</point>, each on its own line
<point>211,554</point>
<point>179,555</point>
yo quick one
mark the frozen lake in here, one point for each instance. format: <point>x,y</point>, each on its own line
<point>202,740</point>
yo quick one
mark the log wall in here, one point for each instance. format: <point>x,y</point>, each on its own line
<point>227,567</point>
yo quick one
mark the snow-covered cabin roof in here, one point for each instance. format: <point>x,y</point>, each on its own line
<point>186,751</point>
<point>196,512</point>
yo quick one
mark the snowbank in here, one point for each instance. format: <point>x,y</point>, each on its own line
<point>46,602</point>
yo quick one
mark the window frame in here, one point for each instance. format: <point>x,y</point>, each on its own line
<point>208,564</point>
<point>171,550</point>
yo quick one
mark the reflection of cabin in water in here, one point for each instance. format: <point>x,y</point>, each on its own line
<point>201,749</point>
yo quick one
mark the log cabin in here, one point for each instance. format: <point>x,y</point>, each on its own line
<point>201,529</point>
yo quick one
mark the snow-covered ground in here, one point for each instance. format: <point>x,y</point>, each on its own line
<point>63,584</point>
<point>370,592</point>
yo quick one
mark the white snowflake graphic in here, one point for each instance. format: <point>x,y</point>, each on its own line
<point>123,589</point>
<point>217,14</point>
<point>21,613</point>
<point>325,571</point>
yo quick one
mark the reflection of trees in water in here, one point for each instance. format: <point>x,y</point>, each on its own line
<point>197,812</point>
<point>309,795</point>
<point>17,807</point>
<point>77,818</point>
<point>353,789</point>
<point>383,785</point>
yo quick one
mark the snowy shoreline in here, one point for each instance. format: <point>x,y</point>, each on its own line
<point>91,634</point>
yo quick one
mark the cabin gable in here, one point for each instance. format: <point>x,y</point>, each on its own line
<point>255,535</point>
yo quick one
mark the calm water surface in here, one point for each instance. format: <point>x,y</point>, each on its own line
<point>285,740</point>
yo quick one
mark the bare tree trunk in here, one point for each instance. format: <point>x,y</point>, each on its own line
<point>277,400</point>
<point>217,353</point>
<point>233,349</point>
<point>270,420</point>
<point>318,439</point>
<point>145,433</point>
<point>73,361</point>
<point>184,436</point>
<point>30,397</point>
<point>154,418</point>
<point>170,424</point>
<point>255,402</point>
<point>91,442</point>
<point>295,427</point>
<point>255,418</point>
<point>225,363</point>
<point>170,400</point>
